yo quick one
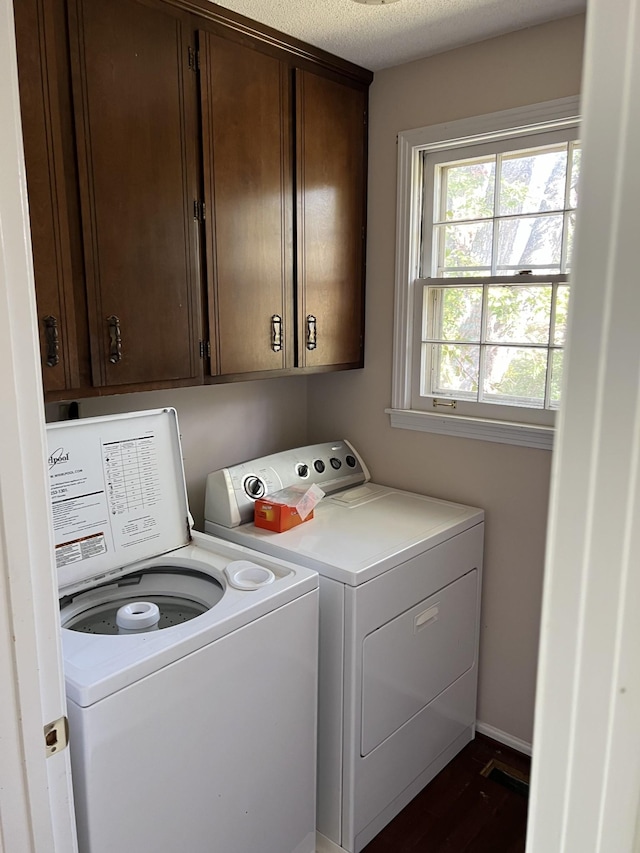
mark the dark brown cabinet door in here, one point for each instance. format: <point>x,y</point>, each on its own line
<point>135,105</point>
<point>330,174</point>
<point>246,128</point>
<point>42,101</point>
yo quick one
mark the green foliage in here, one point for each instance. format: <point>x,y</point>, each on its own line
<point>461,312</point>
<point>458,368</point>
<point>525,376</point>
<point>557,366</point>
<point>470,190</point>
<point>516,314</point>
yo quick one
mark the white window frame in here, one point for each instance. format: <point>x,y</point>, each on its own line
<point>507,124</point>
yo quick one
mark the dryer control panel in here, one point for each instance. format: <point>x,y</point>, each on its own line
<point>231,492</point>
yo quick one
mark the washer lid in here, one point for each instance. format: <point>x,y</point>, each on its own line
<point>117,493</point>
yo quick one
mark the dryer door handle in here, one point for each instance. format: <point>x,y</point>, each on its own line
<point>427,617</point>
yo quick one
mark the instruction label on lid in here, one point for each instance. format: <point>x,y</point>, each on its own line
<point>114,494</point>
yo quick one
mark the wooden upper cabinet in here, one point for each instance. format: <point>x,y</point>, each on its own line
<point>247,168</point>
<point>331,182</point>
<point>193,178</point>
<point>42,102</point>
<point>136,130</point>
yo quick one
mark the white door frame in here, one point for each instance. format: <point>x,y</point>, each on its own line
<point>586,758</point>
<point>36,807</point>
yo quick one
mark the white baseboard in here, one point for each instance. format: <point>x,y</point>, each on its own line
<point>323,845</point>
<point>503,737</point>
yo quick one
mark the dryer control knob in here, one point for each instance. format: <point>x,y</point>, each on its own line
<point>254,487</point>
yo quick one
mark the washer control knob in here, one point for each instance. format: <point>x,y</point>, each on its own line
<point>302,469</point>
<point>254,487</point>
<point>319,466</point>
<point>351,461</point>
<point>335,462</point>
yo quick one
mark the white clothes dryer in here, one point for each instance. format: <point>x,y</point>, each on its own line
<point>400,580</point>
<point>190,663</point>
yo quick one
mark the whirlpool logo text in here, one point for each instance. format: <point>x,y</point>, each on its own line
<point>57,457</point>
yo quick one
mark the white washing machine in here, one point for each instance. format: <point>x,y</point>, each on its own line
<point>190,662</point>
<point>400,580</point>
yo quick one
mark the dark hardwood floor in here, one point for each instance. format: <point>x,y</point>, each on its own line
<point>462,811</point>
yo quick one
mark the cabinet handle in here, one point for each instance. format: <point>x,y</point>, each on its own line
<point>276,333</point>
<point>115,339</point>
<point>312,332</point>
<point>52,337</point>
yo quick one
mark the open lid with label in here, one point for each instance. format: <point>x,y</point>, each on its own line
<point>117,493</point>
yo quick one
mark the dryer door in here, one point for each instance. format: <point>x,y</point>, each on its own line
<point>414,657</point>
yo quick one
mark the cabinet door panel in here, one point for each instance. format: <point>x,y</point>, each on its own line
<point>41,103</point>
<point>331,162</point>
<point>245,101</point>
<point>135,125</point>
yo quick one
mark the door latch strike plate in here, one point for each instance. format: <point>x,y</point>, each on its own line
<point>56,736</point>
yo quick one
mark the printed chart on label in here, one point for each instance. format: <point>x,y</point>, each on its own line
<point>131,473</point>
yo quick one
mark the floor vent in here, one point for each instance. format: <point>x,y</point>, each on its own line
<point>507,776</point>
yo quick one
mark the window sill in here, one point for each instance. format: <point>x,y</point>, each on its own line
<point>502,432</point>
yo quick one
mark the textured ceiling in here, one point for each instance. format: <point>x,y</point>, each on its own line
<point>378,36</point>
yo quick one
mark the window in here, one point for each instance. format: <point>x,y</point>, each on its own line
<point>485,222</point>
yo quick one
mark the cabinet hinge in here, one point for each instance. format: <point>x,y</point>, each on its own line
<point>205,349</point>
<point>194,59</point>
<point>199,212</point>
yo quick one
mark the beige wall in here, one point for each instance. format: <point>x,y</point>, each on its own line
<point>510,483</point>
<point>220,424</point>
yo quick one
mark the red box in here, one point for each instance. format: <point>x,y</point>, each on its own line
<point>272,515</point>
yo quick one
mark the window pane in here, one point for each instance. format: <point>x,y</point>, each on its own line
<point>469,272</point>
<point>533,240</point>
<point>465,245</point>
<point>515,376</point>
<point>571,227</point>
<point>454,369</point>
<point>575,175</point>
<point>534,270</point>
<point>518,314</point>
<point>533,181</point>
<point>456,312</point>
<point>562,310</point>
<point>557,364</point>
<point>497,214</point>
<point>468,190</point>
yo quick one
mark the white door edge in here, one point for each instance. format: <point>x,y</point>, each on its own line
<point>586,770</point>
<point>36,807</point>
